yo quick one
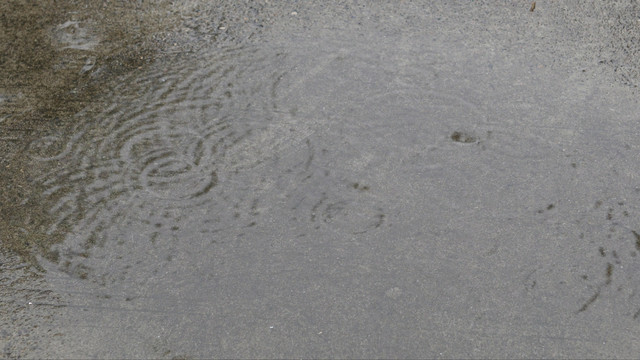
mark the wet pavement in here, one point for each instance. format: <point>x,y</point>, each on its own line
<point>355,180</point>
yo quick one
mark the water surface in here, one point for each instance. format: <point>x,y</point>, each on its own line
<point>360,190</point>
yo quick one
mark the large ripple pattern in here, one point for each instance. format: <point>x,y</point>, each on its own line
<point>163,145</point>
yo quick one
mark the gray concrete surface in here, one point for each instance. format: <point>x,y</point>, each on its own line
<point>402,179</point>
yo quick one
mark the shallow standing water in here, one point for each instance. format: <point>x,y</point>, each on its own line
<point>398,185</point>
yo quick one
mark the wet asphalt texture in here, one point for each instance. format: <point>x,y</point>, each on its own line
<point>280,179</point>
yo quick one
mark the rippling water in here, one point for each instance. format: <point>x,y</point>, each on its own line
<point>159,152</point>
<point>207,144</point>
<point>196,148</point>
<point>317,189</point>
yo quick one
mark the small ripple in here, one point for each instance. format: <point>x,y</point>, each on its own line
<point>51,147</point>
<point>172,164</point>
<point>353,216</point>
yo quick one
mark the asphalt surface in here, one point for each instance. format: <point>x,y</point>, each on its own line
<point>258,179</point>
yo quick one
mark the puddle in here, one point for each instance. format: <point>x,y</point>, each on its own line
<point>215,137</point>
<point>377,186</point>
